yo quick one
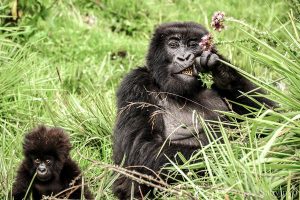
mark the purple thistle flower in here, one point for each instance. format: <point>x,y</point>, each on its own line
<point>206,42</point>
<point>217,21</point>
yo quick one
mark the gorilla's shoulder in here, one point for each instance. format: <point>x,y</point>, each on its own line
<point>140,75</point>
<point>135,85</point>
<point>70,170</point>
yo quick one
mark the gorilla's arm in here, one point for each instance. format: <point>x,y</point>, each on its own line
<point>136,139</point>
<point>70,172</point>
<point>231,84</point>
<point>21,184</point>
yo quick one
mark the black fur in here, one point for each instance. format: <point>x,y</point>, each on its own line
<point>52,145</point>
<point>141,129</point>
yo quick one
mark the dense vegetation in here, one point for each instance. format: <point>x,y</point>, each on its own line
<point>62,60</point>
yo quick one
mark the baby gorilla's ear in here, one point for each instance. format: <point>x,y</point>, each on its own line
<point>207,61</point>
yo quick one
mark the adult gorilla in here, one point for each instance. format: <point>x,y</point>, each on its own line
<point>156,102</point>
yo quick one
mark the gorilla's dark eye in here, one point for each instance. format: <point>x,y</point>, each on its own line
<point>37,161</point>
<point>173,43</point>
<point>193,43</point>
<point>48,161</point>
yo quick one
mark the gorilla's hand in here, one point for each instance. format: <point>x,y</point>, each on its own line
<point>207,61</point>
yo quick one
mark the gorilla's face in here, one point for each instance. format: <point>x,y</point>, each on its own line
<point>44,167</point>
<point>182,52</point>
<point>172,55</point>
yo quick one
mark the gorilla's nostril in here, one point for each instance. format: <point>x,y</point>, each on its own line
<point>180,58</point>
<point>188,57</point>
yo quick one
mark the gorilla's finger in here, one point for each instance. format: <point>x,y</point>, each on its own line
<point>204,58</point>
<point>212,61</point>
<point>198,65</point>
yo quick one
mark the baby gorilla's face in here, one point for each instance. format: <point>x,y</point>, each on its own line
<point>43,167</point>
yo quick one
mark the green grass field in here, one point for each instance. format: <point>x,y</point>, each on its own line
<point>62,61</point>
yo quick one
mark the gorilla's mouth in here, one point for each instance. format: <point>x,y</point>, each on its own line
<point>189,71</point>
<point>43,176</point>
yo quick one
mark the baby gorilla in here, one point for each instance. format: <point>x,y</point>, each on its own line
<point>48,163</point>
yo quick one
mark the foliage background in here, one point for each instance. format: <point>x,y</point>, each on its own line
<point>61,62</point>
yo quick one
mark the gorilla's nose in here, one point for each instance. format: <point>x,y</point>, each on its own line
<point>42,169</point>
<point>185,60</point>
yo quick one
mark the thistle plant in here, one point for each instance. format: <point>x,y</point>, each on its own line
<point>219,18</point>
<point>217,21</point>
<point>206,42</point>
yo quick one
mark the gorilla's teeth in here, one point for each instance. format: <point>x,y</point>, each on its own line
<point>188,71</point>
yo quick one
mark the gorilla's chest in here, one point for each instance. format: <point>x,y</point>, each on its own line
<point>49,189</point>
<point>182,120</point>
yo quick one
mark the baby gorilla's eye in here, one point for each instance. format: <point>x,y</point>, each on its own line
<point>48,161</point>
<point>37,161</point>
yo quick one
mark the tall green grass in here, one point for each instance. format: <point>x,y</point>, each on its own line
<point>59,70</point>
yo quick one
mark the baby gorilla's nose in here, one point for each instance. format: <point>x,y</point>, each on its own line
<point>42,169</point>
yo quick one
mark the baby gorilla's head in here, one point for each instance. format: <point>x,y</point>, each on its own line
<point>46,150</point>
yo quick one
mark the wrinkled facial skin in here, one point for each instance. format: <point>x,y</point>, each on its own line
<point>171,58</point>
<point>182,52</point>
<point>43,167</point>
